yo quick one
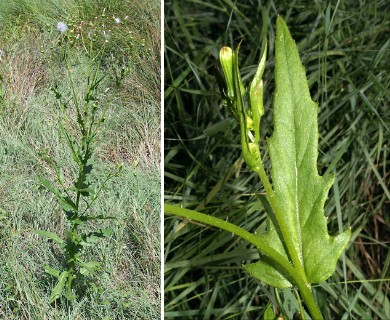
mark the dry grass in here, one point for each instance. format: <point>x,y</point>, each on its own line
<point>23,74</point>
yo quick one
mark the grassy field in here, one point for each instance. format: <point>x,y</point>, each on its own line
<point>345,49</point>
<point>31,67</point>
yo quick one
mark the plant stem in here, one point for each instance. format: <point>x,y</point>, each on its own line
<point>70,278</point>
<point>276,257</point>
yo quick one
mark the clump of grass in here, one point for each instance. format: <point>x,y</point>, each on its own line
<point>346,73</point>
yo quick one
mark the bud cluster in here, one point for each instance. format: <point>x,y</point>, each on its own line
<point>249,116</point>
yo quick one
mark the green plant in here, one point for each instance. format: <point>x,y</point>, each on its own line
<point>77,198</point>
<point>296,249</point>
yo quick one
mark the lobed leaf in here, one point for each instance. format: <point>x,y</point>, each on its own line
<point>298,227</point>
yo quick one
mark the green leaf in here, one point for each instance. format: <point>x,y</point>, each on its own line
<point>57,290</point>
<point>51,235</point>
<point>299,230</point>
<point>49,186</point>
<point>106,232</point>
<point>95,236</point>
<point>269,313</point>
<point>52,271</point>
<point>89,191</point>
<point>218,127</point>
<point>65,203</point>
<point>89,267</point>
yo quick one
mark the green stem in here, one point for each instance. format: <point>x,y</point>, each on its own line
<point>71,265</point>
<point>276,257</point>
<point>75,98</point>
<point>70,278</point>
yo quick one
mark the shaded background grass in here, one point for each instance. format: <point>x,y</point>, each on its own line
<point>345,49</point>
<point>31,65</point>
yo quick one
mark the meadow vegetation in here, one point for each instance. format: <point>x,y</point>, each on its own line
<point>32,73</point>
<point>345,51</point>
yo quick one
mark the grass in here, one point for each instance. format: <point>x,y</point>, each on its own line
<point>30,66</point>
<point>345,51</point>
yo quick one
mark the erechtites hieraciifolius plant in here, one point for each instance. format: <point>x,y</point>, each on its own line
<point>297,226</point>
<point>296,249</point>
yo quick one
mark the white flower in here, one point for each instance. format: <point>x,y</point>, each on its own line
<point>62,27</point>
<point>117,20</point>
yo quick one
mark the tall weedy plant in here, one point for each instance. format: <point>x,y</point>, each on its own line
<point>296,250</point>
<point>82,136</point>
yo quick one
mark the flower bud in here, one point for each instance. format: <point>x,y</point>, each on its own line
<point>226,60</point>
